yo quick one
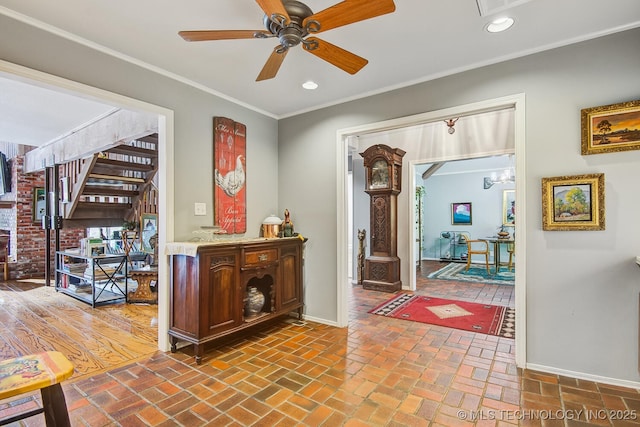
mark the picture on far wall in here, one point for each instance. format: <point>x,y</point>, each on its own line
<point>573,202</point>
<point>611,128</point>
<point>38,205</point>
<point>461,213</point>
<point>509,207</point>
<point>148,229</point>
<point>229,181</point>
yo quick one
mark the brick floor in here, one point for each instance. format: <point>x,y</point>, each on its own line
<point>377,372</point>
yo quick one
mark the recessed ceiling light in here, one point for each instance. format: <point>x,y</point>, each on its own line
<point>311,85</point>
<point>500,24</point>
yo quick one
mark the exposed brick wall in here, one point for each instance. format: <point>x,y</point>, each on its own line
<point>30,238</point>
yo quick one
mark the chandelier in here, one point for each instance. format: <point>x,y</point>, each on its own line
<point>508,175</point>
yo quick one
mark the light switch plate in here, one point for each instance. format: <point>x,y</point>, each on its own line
<point>200,209</point>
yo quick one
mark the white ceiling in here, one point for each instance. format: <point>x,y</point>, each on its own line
<point>33,115</point>
<point>421,40</point>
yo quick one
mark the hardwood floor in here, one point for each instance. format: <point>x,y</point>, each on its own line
<point>36,318</point>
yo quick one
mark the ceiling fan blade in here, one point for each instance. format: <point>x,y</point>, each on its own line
<point>273,64</point>
<point>343,59</point>
<point>198,36</point>
<point>274,7</point>
<point>350,11</point>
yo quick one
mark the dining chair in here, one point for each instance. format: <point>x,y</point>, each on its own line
<point>511,249</point>
<point>478,247</point>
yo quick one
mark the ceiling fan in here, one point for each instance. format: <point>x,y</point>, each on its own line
<point>293,21</point>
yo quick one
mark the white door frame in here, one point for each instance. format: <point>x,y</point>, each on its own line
<point>165,165</point>
<point>517,102</point>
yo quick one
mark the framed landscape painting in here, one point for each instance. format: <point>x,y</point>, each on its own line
<point>611,128</point>
<point>509,207</point>
<point>461,213</point>
<point>573,202</point>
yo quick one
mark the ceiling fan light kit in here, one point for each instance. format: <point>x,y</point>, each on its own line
<point>292,22</point>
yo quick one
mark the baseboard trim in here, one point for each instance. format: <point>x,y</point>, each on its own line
<point>583,376</point>
<point>318,320</point>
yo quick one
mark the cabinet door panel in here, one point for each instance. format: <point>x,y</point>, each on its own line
<point>184,294</point>
<point>290,276</point>
<point>222,308</point>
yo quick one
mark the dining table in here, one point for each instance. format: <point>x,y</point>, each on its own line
<point>496,242</point>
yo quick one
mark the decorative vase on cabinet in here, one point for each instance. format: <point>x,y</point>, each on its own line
<point>254,302</point>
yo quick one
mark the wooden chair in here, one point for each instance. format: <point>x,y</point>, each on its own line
<point>4,255</point>
<point>44,372</point>
<point>478,247</point>
<point>511,249</point>
<point>130,247</point>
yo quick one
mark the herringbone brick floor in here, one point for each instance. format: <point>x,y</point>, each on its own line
<point>377,372</point>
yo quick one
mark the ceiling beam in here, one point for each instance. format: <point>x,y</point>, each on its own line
<point>432,169</point>
<point>117,128</point>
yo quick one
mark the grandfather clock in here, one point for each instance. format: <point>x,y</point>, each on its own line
<point>383,170</point>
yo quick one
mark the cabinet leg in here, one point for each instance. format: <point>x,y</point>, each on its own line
<point>174,344</point>
<point>199,351</point>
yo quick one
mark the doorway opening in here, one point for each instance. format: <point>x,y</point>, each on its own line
<point>345,139</point>
<point>165,173</point>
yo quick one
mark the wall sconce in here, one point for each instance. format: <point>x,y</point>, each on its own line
<point>450,123</point>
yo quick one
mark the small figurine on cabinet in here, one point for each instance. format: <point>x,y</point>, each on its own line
<point>287,225</point>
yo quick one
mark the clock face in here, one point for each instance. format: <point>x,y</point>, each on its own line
<point>379,175</point>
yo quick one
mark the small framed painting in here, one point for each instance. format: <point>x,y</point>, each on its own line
<point>38,205</point>
<point>509,207</point>
<point>611,128</point>
<point>461,213</point>
<point>148,229</point>
<point>573,202</point>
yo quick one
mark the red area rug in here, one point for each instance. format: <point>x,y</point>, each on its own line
<point>468,316</point>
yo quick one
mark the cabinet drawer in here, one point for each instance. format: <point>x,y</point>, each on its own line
<point>264,256</point>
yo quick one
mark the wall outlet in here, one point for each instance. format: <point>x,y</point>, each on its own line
<point>200,209</point>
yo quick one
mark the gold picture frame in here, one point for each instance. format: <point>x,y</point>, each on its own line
<point>573,203</point>
<point>509,207</point>
<point>611,128</point>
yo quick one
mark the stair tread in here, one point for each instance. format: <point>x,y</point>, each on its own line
<point>115,178</point>
<point>134,151</point>
<point>109,205</point>
<point>123,165</point>
<point>93,190</point>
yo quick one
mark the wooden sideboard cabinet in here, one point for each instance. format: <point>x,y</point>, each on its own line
<point>210,284</point>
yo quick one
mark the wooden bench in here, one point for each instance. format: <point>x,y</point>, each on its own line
<point>44,372</point>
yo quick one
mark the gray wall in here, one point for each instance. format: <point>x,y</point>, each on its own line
<point>193,112</point>
<point>582,287</point>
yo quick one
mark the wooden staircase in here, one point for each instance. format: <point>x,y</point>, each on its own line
<point>111,186</point>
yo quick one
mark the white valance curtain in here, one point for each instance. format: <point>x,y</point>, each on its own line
<point>479,135</point>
